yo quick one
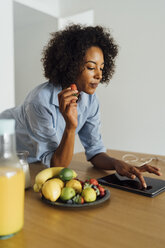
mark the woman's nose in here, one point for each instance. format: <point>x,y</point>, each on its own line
<point>98,74</point>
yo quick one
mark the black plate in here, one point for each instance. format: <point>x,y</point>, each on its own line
<point>69,205</point>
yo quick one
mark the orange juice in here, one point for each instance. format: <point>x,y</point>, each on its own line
<point>12,182</point>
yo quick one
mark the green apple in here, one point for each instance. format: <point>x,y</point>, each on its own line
<point>67,193</point>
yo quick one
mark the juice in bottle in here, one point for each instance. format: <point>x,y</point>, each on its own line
<point>12,200</point>
<point>12,182</point>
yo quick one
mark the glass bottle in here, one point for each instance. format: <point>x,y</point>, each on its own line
<point>12,182</point>
<point>22,155</point>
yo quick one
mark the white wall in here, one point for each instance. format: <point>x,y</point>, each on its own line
<point>32,30</point>
<point>6,55</point>
<point>50,7</point>
<point>85,17</point>
<point>132,106</point>
<point>7,84</point>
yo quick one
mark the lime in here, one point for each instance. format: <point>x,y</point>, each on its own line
<point>67,193</point>
<point>66,174</point>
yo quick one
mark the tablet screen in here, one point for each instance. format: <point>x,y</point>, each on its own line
<point>154,186</point>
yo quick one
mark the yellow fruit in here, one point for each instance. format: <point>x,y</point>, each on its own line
<point>51,190</point>
<point>75,184</point>
<point>89,195</point>
<point>59,181</point>
<point>36,188</point>
<point>46,174</point>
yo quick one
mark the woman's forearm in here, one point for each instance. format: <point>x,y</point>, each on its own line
<point>103,161</point>
<point>64,153</point>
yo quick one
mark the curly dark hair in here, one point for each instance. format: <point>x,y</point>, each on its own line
<point>64,55</point>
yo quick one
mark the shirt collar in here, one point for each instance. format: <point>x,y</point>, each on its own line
<point>54,98</point>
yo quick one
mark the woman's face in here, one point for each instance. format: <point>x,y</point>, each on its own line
<point>91,73</point>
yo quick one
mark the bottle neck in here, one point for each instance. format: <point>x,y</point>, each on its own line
<point>7,146</point>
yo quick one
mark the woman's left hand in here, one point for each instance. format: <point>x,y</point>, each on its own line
<point>132,172</point>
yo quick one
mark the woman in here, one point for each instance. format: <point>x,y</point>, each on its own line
<point>52,114</point>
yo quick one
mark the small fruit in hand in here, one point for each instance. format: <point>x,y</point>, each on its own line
<point>75,184</point>
<point>89,194</point>
<point>74,87</point>
<point>66,174</point>
<point>67,193</point>
<point>51,190</point>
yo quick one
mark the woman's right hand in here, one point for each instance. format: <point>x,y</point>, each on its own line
<point>68,107</point>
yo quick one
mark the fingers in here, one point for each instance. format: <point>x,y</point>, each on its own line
<point>135,172</point>
<point>67,93</point>
<point>132,172</point>
<point>150,169</point>
<point>67,102</point>
<point>128,174</point>
<point>66,97</point>
<point>145,168</point>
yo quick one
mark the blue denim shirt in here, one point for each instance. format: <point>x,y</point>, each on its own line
<point>40,125</point>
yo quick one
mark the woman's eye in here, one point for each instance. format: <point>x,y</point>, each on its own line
<point>90,68</point>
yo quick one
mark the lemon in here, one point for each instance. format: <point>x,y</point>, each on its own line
<point>59,181</point>
<point>51,190</point>
<point>89,194</point>
<point>67,193</point>
<point>75,184</point>
<point>66,174</point>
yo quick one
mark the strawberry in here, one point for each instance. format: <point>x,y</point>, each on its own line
<point>93,181</point>
<point>102,193</point>
<point>101,189</point>
<point>73,87</point>
<point>81,200</point>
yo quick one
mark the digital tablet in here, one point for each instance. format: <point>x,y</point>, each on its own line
<point>154,186</point>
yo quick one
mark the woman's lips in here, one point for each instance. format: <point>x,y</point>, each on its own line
<point>93,85</point>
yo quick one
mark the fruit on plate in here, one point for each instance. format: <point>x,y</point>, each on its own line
<point>89,194</point>
<point>46,174</point>
<point>59,181</point>
<point>66,174</point>
<point>51,190</point>
<point>93,181</point>
<point>75,184</point>
<point>67,193</point>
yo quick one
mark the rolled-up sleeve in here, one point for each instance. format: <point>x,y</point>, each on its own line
<point>40,127</point>
<point>90,135</point>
